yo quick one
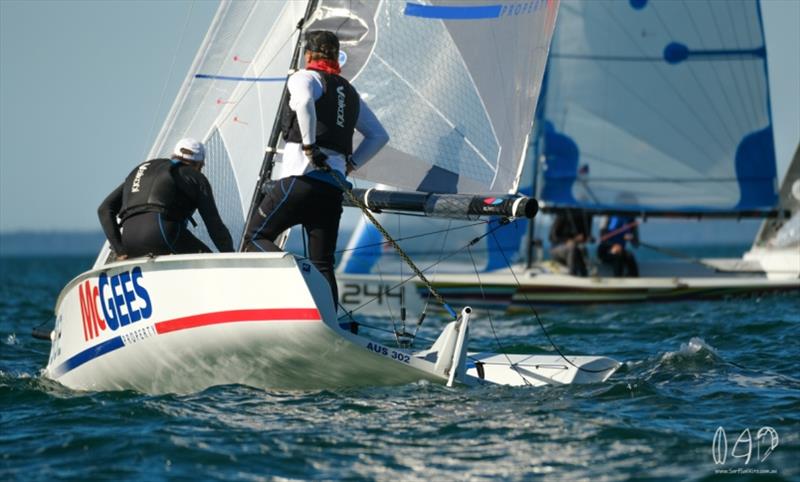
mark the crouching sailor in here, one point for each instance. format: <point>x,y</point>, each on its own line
<point>155,203</point>
<point>318,121</point>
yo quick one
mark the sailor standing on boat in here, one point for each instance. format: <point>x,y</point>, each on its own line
<point>155,203</point>
<point>319,118</point>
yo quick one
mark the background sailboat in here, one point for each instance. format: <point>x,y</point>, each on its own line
<point>652,108</point>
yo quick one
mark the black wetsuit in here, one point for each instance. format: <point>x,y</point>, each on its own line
<point>154,205</point>
<point>566,227</point>
<point>315,204</point>
<point>624,262</point>
<point>315,199</point>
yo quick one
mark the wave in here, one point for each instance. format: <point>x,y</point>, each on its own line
<point>695,350</point>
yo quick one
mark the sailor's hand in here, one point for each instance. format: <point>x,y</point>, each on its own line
<point>122,257</point>
<point>315,155</point>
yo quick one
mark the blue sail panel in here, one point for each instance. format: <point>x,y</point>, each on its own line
<point>658,105</point>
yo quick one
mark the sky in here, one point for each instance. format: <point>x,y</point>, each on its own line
<point>86,85</point>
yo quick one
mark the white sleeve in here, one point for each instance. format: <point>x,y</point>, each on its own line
<point>375,136</point>
<point>304,91</point>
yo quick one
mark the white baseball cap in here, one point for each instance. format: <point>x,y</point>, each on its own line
<point>190,150</point>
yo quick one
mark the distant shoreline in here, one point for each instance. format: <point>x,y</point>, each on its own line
<point>51,243</point>
<point>88,243</point>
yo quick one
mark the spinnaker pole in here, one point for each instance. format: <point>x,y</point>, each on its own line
<point>269,152</point>
<point>450,206</point>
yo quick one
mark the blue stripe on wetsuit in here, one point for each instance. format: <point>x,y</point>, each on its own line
<point>274,210</point>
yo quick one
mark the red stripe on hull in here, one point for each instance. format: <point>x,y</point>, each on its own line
<point>277,314</point>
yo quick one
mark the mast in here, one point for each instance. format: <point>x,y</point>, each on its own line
<point>538,151</point>
<point>269,152</point>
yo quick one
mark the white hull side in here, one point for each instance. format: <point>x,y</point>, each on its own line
<point>254,319</point>
<point>499,291</point>
<point>778,263</point>
<point>258,319</point>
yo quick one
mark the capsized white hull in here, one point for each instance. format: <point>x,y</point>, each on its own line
<point>180,324</point>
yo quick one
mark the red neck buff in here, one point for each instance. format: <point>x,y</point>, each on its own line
<point>325,65</point>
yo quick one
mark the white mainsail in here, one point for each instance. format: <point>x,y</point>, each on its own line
<point>454,83</point>
<point>230,97</point>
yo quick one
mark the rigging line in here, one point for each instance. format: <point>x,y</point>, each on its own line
<point>453,253</point>
<point>679,255</point>
<point>386,330</point>
<point>500,346</point>
<point>169,74</point>
<point>691,70</point>
<point>431,233</point>
<point>676,92</point>
<point>391,241</point>
<point>388,305</point>
<point>402,298</point>
<point>428,253</point>
<point>428,298</point>
<point>541,325</point>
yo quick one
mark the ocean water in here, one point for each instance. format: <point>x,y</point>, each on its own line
<point>689,369</point>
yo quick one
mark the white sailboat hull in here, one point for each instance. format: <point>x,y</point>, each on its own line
<point>180,324</point>
<point>543,285</point>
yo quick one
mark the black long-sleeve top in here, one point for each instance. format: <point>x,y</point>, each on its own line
<point>191,183</point>
<point>568,224</point>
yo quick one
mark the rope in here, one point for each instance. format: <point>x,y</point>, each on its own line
<point>473,242</point>
<point>169,73</point>
<point>428,298</point>
<point>676,254</point>
<point>538,320</point>
<point>392,242</point>
<point>500,347</point>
